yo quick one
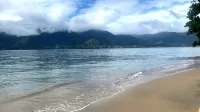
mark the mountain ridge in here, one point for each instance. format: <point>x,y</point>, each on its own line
<point>93,39</point>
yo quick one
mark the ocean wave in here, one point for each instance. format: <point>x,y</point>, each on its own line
<point>135,75</point>
<point>127,79</point>
<point>180,65</point>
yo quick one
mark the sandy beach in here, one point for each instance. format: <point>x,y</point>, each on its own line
<point>177,93</point>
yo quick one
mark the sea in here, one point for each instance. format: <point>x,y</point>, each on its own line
<point>73,79</point>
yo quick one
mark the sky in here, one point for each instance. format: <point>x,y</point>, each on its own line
<point>24,17</point>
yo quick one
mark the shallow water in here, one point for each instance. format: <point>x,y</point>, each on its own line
<point>87,75</point>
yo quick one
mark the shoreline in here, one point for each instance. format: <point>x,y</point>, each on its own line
<point>135,98</point>
<point>37,92</point>
<point>24,102</point>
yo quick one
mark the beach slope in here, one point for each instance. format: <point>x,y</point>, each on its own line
<point>177,93</point>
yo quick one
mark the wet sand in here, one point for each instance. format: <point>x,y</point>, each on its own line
<point>177,93</point>
<point>39,100</point>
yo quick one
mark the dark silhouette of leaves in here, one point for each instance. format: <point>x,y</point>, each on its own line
<point>194,21</point>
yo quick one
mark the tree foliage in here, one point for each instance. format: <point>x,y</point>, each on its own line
<point>194,21</point>
<point>92,42</point>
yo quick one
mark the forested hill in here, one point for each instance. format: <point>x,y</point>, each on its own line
<point>92,39</point>
<point>172,39</point>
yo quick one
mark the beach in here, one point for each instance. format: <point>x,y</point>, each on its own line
<point>94,80</point>
<point>177,93</point>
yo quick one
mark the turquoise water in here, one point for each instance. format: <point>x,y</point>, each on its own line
<point>90,72</point>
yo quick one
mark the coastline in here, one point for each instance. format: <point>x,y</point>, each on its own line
<point>49,100</point>
<point>176,93</point>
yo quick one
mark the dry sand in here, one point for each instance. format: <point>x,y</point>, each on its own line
<point>177,93</point>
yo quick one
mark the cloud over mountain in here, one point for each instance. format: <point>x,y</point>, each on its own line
<point>24,17</point>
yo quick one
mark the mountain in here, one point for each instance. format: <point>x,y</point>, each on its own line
<point>88,39</point>
<point>92,39</point>
<point>169,39</point>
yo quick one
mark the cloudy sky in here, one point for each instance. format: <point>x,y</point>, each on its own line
<point>23,17</point>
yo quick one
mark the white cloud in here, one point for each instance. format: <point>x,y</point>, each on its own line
<point>132,17</point>
<point>154,21</point>
<point>23,17</point>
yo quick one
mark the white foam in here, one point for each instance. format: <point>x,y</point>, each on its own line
<point>168,67</point>
<point>62,107</point>
<point>135,76</point>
